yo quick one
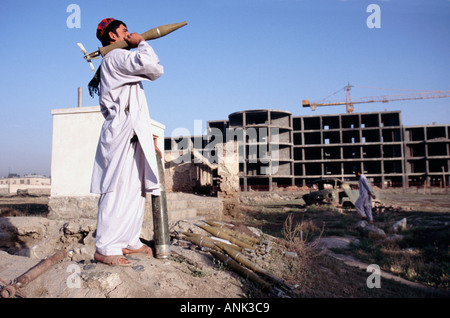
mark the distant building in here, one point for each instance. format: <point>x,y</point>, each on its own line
<point>32,184</point>
<point>277,149</point>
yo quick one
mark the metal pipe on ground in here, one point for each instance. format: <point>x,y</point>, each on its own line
<point>23,280</point>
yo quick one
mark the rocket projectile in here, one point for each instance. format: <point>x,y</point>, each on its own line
<point>222,234</point>
<point>246,262</point>
<point>148,35</point>
<point>198,239</point>
<point>241,270</point>
<point>240,236</point>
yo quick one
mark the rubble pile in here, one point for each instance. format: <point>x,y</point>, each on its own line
<point>186,273</point>
<point>380,208</point>
<point>239,251</point>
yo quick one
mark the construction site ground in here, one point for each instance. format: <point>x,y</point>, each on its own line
<point>321,261</point>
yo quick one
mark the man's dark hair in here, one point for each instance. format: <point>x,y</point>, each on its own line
<point>106,40</point>
<point>112,27</point>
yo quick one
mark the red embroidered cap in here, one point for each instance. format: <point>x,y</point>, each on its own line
<point>102,26</point>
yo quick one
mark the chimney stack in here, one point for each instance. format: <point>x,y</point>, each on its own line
<point>80,94</point>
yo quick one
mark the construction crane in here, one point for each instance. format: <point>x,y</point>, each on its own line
<point>376,99</point>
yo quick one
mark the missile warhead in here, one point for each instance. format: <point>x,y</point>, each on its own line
<point>162,30</point>
<point>249,264</point>
<point>237,256</point>
<point>198,240</point>
<point>241,236</point>
<point>221,245</point>
<point>222,234</point>
<point>217,244</point>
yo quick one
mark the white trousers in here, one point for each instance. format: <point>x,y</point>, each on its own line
<point>121,212</point>
<point>364,205</point>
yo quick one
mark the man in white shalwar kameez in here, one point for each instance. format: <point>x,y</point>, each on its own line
<point>125,167</point>
<point>364,202</point>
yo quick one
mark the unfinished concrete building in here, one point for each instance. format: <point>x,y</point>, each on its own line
<point>277,149</point>
<point>337,145</point>
<point>427,154</point>
<point>266,150</point>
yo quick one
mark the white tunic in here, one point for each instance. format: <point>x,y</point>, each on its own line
<point>364,202</point>
<point>124,106</point>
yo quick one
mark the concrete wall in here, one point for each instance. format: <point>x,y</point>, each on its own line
<point>75,137</point>
<point>74,143</point>
<point>228,175</point>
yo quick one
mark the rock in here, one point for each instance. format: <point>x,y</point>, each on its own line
<point>336,242</point>
<point>394,238</point>
<point>356,242</point>
<point>80,226</point>
<point>79,237</point>
<point>370,230</point>
<point>399,225</point>
<point>138,268</point>
<point>290,254</point>
<point>105,281</point>
<point>39,237</point>
<point>34,237</point>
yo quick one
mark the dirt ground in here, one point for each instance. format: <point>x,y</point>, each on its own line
<point>418,200</point>
<point>192,272</point>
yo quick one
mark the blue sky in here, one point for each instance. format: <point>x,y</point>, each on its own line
<point>233,55</point>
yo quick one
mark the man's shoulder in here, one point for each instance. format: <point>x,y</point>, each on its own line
<point>117,53</point>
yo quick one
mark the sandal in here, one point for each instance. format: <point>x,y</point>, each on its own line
<point>113,260</point>
<point>146,250</point>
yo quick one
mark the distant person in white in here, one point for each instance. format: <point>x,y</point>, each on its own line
<point>364,202</point>
<point>125,167</point>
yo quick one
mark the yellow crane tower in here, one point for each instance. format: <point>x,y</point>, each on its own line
<point>376,99</point>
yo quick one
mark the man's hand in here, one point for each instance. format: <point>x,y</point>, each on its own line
<point>134,39</point>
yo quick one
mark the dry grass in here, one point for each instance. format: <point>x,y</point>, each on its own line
<point>421,256</point>
<point>298,236</point>
<point>317,275</point>
<point>293,257</point>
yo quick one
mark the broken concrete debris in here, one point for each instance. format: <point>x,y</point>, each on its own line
<point>399,225</point>
<point>372,231</point>
<point>380,208</point>
<point>104,281</point>
<point>369,229</point>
